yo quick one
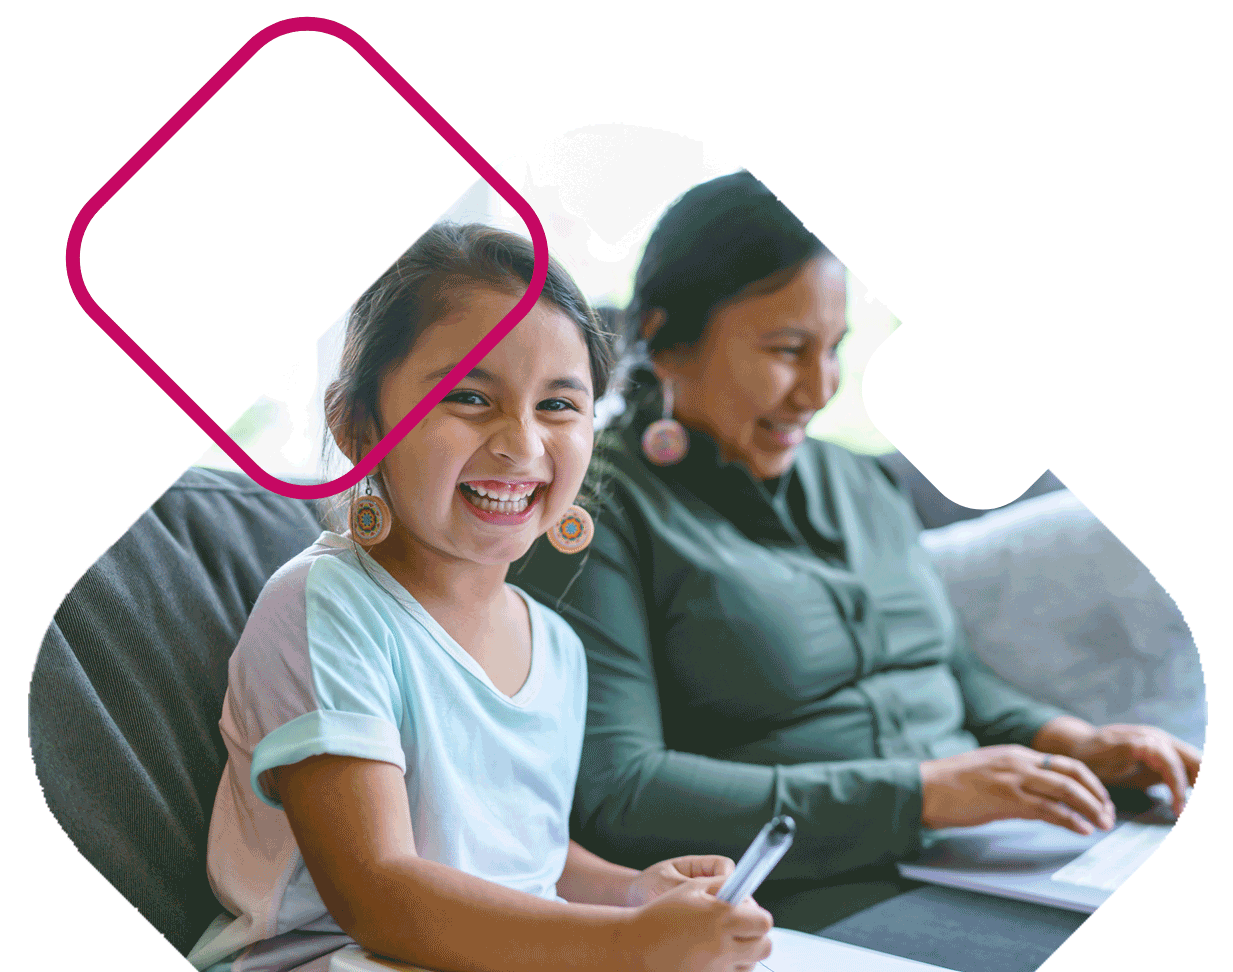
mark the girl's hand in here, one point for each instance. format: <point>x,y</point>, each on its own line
<point>1001,782</point>
<point>666,875</point>
<point>688,929</point>
<point>1138,757</point>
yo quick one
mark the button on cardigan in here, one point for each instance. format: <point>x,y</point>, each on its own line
<point>762,648</point>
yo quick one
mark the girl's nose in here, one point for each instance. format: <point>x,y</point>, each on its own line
<point>517,440</point>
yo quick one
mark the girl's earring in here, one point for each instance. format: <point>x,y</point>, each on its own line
<point>665,440</point>
<point>573,532</point>
<point>370,518</point>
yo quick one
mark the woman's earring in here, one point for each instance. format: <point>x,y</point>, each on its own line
<point>573,532</point>
<point>370,518</point>
<point>665,440</point>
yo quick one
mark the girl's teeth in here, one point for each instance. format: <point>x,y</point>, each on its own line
<point>510,507</point>
<point>502,497</point>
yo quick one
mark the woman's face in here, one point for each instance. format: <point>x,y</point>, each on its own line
<point>765,364</point>
<point>504,454</point>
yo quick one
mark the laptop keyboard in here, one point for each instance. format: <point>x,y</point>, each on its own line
<point>1107,864</point>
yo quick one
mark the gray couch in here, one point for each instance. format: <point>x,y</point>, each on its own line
<point>128,686</point>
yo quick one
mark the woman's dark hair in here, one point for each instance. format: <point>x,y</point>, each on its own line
<point>420,289</point>
<point>712,243</point>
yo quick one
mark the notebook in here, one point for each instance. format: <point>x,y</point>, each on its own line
<point>1034,861</point>
<point>793,952</point>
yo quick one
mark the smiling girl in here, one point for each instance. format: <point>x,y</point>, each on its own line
<point>403,726</point>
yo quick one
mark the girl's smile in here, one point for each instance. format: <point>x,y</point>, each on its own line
<point>500,501</point>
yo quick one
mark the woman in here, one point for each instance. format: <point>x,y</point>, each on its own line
<point>764,633</point>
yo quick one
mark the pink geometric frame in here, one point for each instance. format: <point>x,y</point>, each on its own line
<point>174,124</point>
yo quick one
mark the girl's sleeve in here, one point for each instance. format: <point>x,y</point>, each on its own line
<point>638,801</point>
<point>316,673</point>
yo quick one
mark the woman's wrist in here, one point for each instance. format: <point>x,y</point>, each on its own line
<point>1063,736</point>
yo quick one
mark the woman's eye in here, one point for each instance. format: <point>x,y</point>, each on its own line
<point>558,405</point>
<point>465,398</point>
<point>794,349</point>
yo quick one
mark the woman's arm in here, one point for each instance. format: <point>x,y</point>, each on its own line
<point>352,824</point>
<point>996,712</point>
<point>639,801</point>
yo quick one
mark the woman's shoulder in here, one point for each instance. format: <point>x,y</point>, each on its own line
<point>872,492</point>
<point>857,468</point>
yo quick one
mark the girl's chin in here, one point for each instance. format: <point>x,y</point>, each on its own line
<point>493,545</point>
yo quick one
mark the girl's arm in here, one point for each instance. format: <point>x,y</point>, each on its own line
<point>589,879</point>
<point>352,824</point>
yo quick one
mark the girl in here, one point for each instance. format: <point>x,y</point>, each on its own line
<point>403,726</point>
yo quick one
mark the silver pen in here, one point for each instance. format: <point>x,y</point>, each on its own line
<point>767,849</point>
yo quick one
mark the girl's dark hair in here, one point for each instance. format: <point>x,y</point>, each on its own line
<point>420,289</point>
<point>712,243</point>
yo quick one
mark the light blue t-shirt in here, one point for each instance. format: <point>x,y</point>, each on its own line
<point>339,658</point>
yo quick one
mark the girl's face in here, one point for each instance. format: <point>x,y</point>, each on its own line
<point>504,454</point>
<point>765,364</point>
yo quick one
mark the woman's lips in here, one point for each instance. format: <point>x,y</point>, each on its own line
<point>784,434</point>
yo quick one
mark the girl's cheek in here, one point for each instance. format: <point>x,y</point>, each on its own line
<point>574,459</point>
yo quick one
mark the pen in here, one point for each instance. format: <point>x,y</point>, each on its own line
<point>755,864</point>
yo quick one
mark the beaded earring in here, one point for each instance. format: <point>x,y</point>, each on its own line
<point>573,532</point>
<point>665,440</point>
<point>369,518</point>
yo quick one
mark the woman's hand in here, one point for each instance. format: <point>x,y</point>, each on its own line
<point>688,929</point>
<point>1138,757</point>
<point>1002,782</point>
<point>1130,756</point>
<point>666,875</point>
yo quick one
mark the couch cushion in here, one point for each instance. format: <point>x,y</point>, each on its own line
<point>128,687</point>
<point>1055,603</point>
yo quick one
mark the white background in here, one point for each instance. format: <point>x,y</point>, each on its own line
<point>1067,166</point>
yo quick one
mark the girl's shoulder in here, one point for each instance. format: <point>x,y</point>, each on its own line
<point>327,572</point>
<point>329,562</point>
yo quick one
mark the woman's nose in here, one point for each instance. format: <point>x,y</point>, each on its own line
<point>814,387</point>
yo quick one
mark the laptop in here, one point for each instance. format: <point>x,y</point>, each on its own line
<point>793,952</point>
<point>1038,862</point>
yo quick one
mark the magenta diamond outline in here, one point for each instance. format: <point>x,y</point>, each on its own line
<point>174,124</point>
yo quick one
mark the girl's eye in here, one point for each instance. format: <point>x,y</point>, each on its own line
<point>558,405</point>
<point>465,398</point>
<point>794,349</point>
